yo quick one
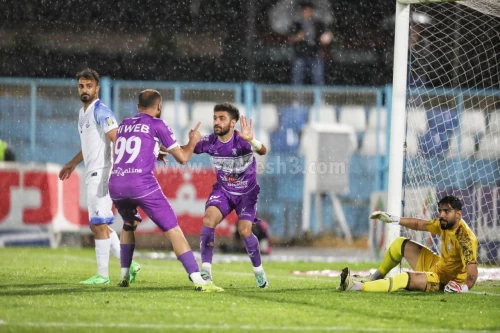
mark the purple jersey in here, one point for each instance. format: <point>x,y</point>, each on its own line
<point>138,141</point>
<point>233,161</point>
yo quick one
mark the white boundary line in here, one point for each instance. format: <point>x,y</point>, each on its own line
<point>242,327</point>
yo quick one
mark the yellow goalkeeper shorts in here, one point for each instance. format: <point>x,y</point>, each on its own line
<point>426,263</point>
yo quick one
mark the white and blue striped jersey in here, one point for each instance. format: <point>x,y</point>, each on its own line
<point>93,124</point>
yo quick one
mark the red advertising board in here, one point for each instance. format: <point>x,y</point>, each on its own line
<point>31,195</point>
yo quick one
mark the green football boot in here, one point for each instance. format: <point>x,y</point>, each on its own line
<point>96,279</point>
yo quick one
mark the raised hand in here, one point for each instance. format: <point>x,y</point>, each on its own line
<point>194,134</point>
<point>384,217</point>
<point>246,132</point>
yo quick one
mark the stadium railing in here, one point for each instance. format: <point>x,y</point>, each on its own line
<point>38,119</point>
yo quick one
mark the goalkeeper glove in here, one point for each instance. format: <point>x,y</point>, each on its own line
<point>384,217</point>
<point>453,287</point>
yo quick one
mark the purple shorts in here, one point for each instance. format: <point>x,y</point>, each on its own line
<point>155,205</point>
<point>245,205</point>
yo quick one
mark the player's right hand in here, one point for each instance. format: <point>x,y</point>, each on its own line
<point>384,217</point>
<point>453,287</point>
<point>66,171</point>
<point>194,134</point>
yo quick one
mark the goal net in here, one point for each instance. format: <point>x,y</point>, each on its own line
<point>453,117</point>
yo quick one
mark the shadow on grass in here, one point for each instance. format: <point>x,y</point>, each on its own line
<point>85,290</point>
<point>30,285</point>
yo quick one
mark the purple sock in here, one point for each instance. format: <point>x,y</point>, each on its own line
<point>126,254</point>
<point>252,246</point>
<point>189,262</point>
<point>207,244</point>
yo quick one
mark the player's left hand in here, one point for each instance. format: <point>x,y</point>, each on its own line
<point>246,132</point>
<point>162,156</point>
<point>66,171</point>
<point>453,287</point>
<point>194,134</point>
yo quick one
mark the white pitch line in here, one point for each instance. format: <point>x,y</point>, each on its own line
<point>320,278</point>
<point>483,293</point>
<point>242,327</point>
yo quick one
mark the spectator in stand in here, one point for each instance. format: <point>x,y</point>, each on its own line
<point>308,38</point>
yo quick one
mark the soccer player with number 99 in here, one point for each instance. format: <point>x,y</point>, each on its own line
<point>133,184</point>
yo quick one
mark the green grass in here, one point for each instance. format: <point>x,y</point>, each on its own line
<point>39,292</point>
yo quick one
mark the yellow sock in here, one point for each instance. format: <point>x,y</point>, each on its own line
<point>392,256</point>
<point>400,281</point>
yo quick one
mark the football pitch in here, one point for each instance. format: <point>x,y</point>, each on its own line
<point>39,292</point>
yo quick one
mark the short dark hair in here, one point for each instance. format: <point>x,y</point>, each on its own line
<point>148,98</point>
<point>88,74</point>
<point>452,200</point>
<point>306,4</point>
<point>229,108</point>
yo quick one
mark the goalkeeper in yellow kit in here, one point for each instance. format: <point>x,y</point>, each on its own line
<point>454,271</point>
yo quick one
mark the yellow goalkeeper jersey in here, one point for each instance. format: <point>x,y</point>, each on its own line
<point>458,249</point>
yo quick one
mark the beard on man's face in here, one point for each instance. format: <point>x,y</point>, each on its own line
<point>446,225</point>
<point>221,131</point>
<point>85,98</point>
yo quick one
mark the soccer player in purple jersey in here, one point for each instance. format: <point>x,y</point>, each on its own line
<point>231,152</point>
<point>132,183</point>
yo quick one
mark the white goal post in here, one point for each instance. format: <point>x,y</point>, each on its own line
<point>445,120</point>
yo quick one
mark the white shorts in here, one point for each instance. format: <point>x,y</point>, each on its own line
<point>98,200</point>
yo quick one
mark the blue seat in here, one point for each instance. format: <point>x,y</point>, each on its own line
<point>488,172</point>
<point>432,143</point>
<point>285,141</point>
<point>362,173</point>
<point>294,117</point>
<point>443,121</point>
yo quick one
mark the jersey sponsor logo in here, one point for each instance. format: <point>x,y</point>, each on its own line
<point>237,164</point>
<point>233,182</point>
<point>234,151</point>
<point>449,247</point>
<point>133,128</point>
<point>122,172</point>
<point>109,121</point>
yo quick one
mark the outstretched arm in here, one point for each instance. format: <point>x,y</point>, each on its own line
<point>407,222</point>
<point>246,133</point>
<point>183,154</point>
<point>413,223</point>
